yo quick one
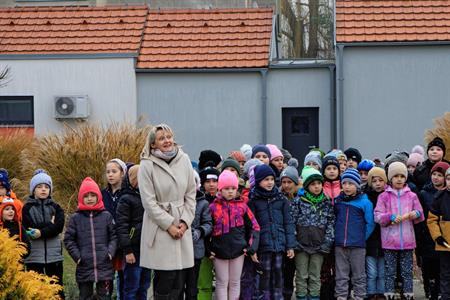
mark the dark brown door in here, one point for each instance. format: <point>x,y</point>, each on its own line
<point>300,130</point>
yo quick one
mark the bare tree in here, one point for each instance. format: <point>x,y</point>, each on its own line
<point>4,76</point>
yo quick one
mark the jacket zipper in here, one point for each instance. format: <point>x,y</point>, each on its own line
<point>346,225</point>
<point>401,223</point>
<point>94,254</point>
<point>45,240</point>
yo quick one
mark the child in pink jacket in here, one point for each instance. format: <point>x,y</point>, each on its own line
<point>397,210</point>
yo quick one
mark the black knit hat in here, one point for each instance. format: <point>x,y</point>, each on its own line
<point>438,142</point>
<point>209,158</point>
<point>354,154</point>
<point>209,173</point>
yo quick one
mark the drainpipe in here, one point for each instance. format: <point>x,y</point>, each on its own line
<point>332,69</point>
<point>340,97</point>
<point>264,104</point>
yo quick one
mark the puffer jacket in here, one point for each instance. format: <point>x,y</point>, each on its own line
<point>272,211</point>
<point>314,224</point>
<point>373,243</point>
<point>90,238</point>
<point>354,220</point>
<point>235,228</point>
<point>129,214</point>
<point>423,238</point>
<point>201,226</point>
<point>47,216</point>
<point>439,218</point>
<point>390,204</point>
<point>111,200</point>
<point>332,189</point>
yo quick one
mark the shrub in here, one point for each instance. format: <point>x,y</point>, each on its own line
<point>17,284</point>
<point>81,151</point>
<point>441,129</point>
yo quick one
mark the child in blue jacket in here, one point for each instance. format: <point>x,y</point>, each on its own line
<point>354,224</point>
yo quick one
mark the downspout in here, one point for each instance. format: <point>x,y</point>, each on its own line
<point>332,69</point>
<point>264,105</point>
<point>340,97</point>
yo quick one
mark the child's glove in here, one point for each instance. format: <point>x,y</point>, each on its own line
<point>34,233</point>
<point>441,241</point>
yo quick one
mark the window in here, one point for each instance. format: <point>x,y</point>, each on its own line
<point>16,111</point>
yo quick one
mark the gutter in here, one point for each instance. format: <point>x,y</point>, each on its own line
<point>264,104</point>
<point>340,96</point>
<point>391,44</point>
<point>66,56</point>
<point>333,125</point>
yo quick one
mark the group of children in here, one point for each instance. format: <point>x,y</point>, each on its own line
<point>262,231</point>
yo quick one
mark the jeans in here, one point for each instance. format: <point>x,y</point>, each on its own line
<point>136,282</point>
<point>375,275</point>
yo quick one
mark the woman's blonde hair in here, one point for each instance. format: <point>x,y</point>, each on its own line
<point>155,129</point>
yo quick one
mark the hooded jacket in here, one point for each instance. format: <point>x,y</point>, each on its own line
<point>201,226</point>
<point>14,227</point>
<point>234,228</point>
<point>354,220</point>
<point>17,203</point>
<point>129,215</point>
<point>314,224</point>
<point>272,212</point>
<point>90,238</point>
<point>439,218</point>
<point>47,216</point>
<point>390,204</point>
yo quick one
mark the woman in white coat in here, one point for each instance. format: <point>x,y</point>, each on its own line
<point>167,188</point>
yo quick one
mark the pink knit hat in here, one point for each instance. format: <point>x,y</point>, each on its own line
<point>415,159</point>
<point>227,179</point>
<point>274,151</point>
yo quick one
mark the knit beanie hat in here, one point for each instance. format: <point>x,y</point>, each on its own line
<point>274,151</point>
<point>351,175</point>
<point>230,162</point>
<point>310,174</point>
<point>260,148</point>
<point>250,165</point>
<point>440,167</point>
<point>354,154</point>
<point>329,161</point>
<point>238,156</point>
<point>397,168</point>
<point>39,177</point>
<point>291,171</point>
<point>208,158</point>
<point>121,164</point>
<point>396,156</point>
<point>4,180</point>
<point>132,176</point>
<point>227,179</point>
<point>437,141</point>
<point>209,173</point>
<point>418,149</point>
<point>262,171</point>
<point>337,153</point>
<point>415,159</point>
<point>365,165</point>
<point>246,149</point>
<point>376,172</point>
<point>313,156</point>
<point>286,155</point>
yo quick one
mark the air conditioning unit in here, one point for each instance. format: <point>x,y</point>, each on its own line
<point>71,107</point>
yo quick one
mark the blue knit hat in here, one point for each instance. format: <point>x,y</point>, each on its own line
<point>260,148</point>
<point>365,165</point>
<point>351,175</point>
<point>261,172</point>
<point>40,176</point>
<point>4,180</point>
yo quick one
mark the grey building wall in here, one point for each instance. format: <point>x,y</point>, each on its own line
<point>218,111</point>
<point>222,111</point>
<point>110,84</point>
<point>392,94</point>
<point>308,87</point>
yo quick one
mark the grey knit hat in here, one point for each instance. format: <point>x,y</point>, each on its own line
<point>291,171</point>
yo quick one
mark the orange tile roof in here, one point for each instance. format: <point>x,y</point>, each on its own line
<point>392,21</point>
<point>70,30</point>
<point>214,38</point>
